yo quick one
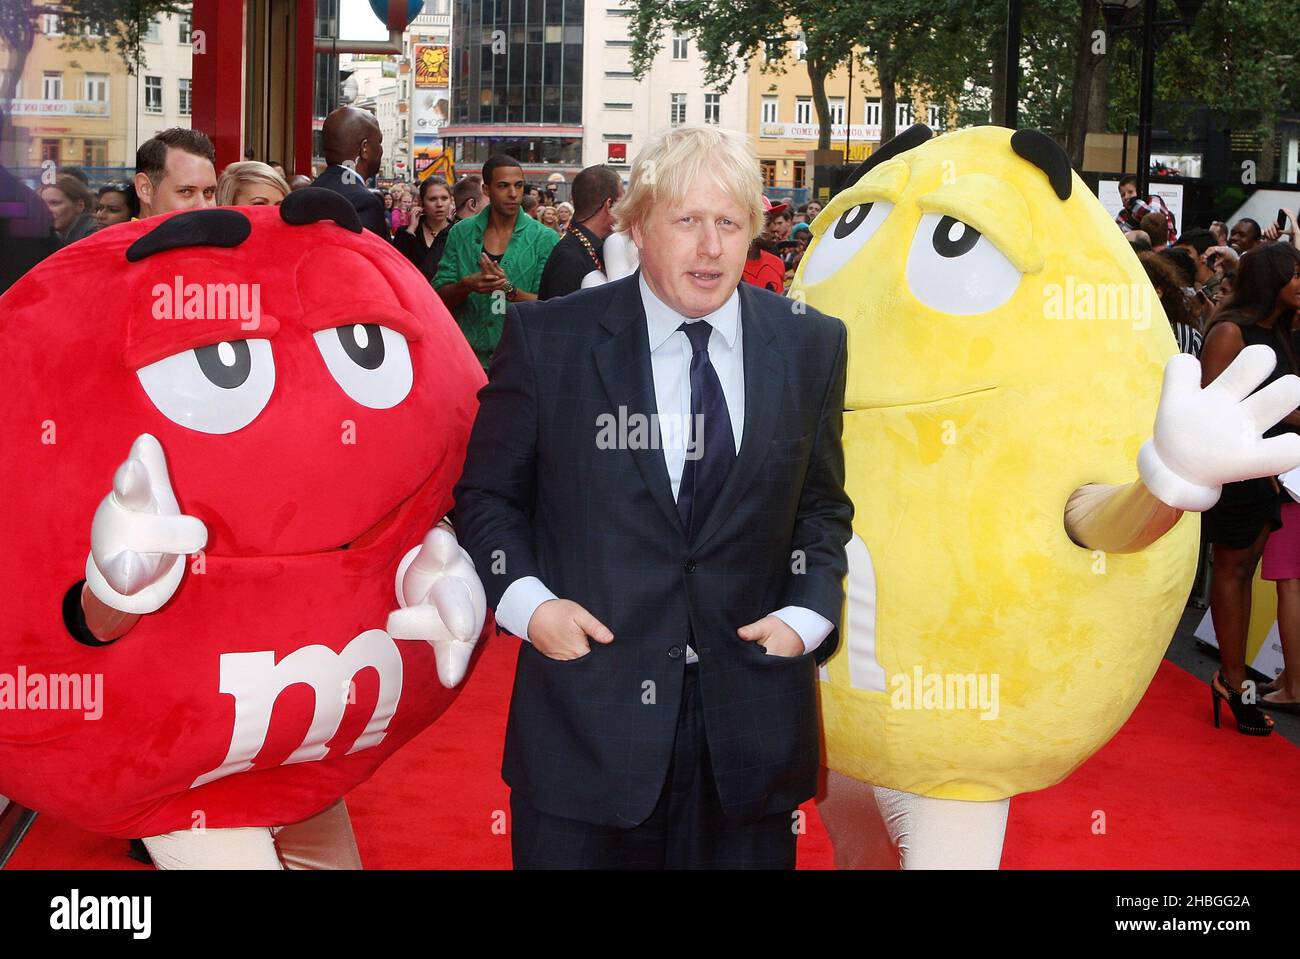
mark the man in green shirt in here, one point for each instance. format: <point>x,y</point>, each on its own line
<point>493,258</point>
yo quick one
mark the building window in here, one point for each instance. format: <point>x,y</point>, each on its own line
<point>871,112</point>
<point>617,12</point>
<point>934,114</point>
<point>904,116</point>
<point>837,111</point>
<point>153,34</point>
<point>713,108</point>
<point>677,113</point>
<point>49,23</point>
<point>52,88</point>
<point>773,51</point>
<point>803,110</point>
<point>617,106</point>
<point>153,94</point>
<point>771,110</point>
<point>680,46</point>
<point>96,152</point>
<point>618,43</point>
<point>50,151</point>
<point>186,25</point>
<point>800,175</point>
<point>97,87</point>
<point>619,74</point>
<point>769,172</point>
<point>185,96</point>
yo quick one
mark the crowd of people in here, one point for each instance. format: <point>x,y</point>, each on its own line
<point>497,236</point>
<point>1224,290</point>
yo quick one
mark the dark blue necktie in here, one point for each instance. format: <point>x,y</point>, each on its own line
<point>712,446</point>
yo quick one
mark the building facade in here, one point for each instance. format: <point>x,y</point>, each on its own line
<point>783,118</point>
<point>517,83</point>
<point>621,112</point>
<point>161,89</point>
<point>71,109</point>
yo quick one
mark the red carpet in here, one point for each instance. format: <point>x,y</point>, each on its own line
<point>1175,793</point>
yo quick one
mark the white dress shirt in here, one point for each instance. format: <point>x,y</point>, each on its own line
<point>670,365</point>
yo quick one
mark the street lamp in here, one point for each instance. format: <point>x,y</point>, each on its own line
<point>1115,12</point>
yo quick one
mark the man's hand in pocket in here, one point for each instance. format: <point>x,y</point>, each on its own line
<point>561,628</point>
<point>773,635</point>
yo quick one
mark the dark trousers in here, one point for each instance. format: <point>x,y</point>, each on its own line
<point>686,830</point>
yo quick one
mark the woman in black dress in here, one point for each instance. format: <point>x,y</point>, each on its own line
<point>424,239</point>
<point>1262,309</point>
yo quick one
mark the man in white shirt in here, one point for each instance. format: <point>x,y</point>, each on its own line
<point>654,498</point>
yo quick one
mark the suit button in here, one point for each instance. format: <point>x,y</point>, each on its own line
<point>675,652</point>
<point>689,566</point>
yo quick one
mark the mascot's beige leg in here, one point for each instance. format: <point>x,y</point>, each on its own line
<point>943,833</point>
<point>324,841</point>
<point>852,818</point>
<point>243,848</point>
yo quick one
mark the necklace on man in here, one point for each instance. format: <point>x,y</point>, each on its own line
<point>591,251</point>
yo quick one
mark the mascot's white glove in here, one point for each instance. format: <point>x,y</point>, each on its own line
<point>442,602</point>
<point>139,537</point>
<point>621,259</point>
<point>1204,438</point>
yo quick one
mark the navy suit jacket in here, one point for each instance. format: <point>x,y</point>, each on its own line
<point>369,207</point>
<point>592,738</point>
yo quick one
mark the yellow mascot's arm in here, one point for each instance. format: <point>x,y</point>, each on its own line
<point>1117,519</point>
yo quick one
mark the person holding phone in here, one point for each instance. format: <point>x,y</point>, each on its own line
<point>493,258</point>
<point>1283,228</point>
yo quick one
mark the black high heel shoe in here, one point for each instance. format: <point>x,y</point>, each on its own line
<point>1251,720</point>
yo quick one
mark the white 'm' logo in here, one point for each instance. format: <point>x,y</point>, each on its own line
<point>256,681</point>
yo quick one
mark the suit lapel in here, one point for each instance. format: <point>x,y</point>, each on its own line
<point>764,387</point>
<point>623,362</point>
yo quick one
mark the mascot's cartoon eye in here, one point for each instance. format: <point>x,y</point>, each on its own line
<point>212,389</point>
<point>953,268</point>
<point>371,362</point>
<point>847,235</point>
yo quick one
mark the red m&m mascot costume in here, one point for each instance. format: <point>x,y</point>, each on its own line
<point>227,436</point>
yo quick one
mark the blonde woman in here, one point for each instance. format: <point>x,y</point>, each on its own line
<point>564,215</point>
<point>250,183</point>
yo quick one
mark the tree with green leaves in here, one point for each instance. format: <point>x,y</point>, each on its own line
<point>118,25</point>
<point>729,34</point>
<point>1237,58</point>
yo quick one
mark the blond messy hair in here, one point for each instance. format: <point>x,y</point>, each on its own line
<point>247,171</point>
<point>675,158</point>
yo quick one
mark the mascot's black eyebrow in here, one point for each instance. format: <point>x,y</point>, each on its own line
<point>1046,154</point>
<point>229,228</point>
<point>910,138</point>
<point>313,204</point>
<point>195,228</point>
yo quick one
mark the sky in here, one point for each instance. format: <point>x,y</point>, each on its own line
<point>358,22</point>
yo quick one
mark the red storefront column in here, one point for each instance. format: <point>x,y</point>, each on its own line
<point>218,87</point>
<point>304,83</point>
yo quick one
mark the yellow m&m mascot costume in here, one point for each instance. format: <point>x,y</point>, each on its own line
<point>1020,477</point>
